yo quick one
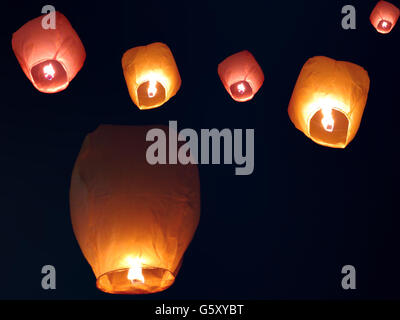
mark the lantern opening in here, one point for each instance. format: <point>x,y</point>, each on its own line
<point>241,91</point>
<point>150,94</point>
<point>384,26</point>
<point>49,76</point>
<point>151,280</point>
<point>329,126</point>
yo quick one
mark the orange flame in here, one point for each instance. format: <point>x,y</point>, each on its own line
<point>152,89</point>
<point>241,87</point>
<point>49,71</point>
<point>327,121</point>
<point>135,272</point>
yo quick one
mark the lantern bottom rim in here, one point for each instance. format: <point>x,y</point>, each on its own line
<point>241,91</point>
<point>338,137</point>
<point>117,282</point>
<point>59,77</point>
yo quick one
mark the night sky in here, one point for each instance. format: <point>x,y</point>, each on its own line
<point>284,232</point>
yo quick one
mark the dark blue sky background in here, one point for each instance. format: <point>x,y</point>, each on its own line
<point>282,233</point>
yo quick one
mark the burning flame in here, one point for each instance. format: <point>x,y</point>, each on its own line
<point>152,89</point>
<point>49,72</point>
<point>241,88</point>
<point>327,119</point>
<point>135,271</point>
<point>385,25</point>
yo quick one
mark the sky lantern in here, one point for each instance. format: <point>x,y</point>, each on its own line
<point>151,75</point>
<point>241,75</point>
<point>328,101</point>
<point>132,220</point>
<point>50,58</point>
<point>384,16</point>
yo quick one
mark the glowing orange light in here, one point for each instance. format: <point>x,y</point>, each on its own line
<point>35,48</point>
<point>152,90</point>
<point>241,76</point>
<point>384,16</point>
<point>133,237</point>
<point>328,100</point>
<point>135,272</point>
<point>49,72</point>
<point>151,75</point>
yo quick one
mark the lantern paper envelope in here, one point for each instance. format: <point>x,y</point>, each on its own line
<point>133,221</point>
<point>151,75</point>
<point>384,16</point>
<point>241,76</point>
<point>328,101</point>
<point>50,58</point>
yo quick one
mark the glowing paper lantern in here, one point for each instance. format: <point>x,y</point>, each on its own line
<point>151,75</point>
<point>384,16</point>
<point>241,75</point>
<point>50,58</point>
<point>133,221</point>
<point>328,101</point>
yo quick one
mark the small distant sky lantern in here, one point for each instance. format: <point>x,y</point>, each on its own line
<point>151,75</point>
<point>50,58</point>
<point>241,76</point>
<point>384,16</point>
<point>132,220</point>
<point>328,101</point>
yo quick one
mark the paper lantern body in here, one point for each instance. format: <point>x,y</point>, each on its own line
<point>384,16</point>
<point>241,76</point>
<point>126,213</point>
<point>50,58</point>
<point>328,101</point>
<point>151,75</point>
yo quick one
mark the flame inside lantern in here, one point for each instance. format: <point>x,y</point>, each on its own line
<point>327,121</point>
<point>241,88</point>
<point>135,272</point>
<point>49,71</point>
<point>152,89</point>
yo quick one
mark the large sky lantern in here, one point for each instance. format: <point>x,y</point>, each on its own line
<point>328,101</point>
<point>132,220</point>
<point>50,58</point>
<point>384,16</point>
<point>151,75</point>
<point>241,75</point>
